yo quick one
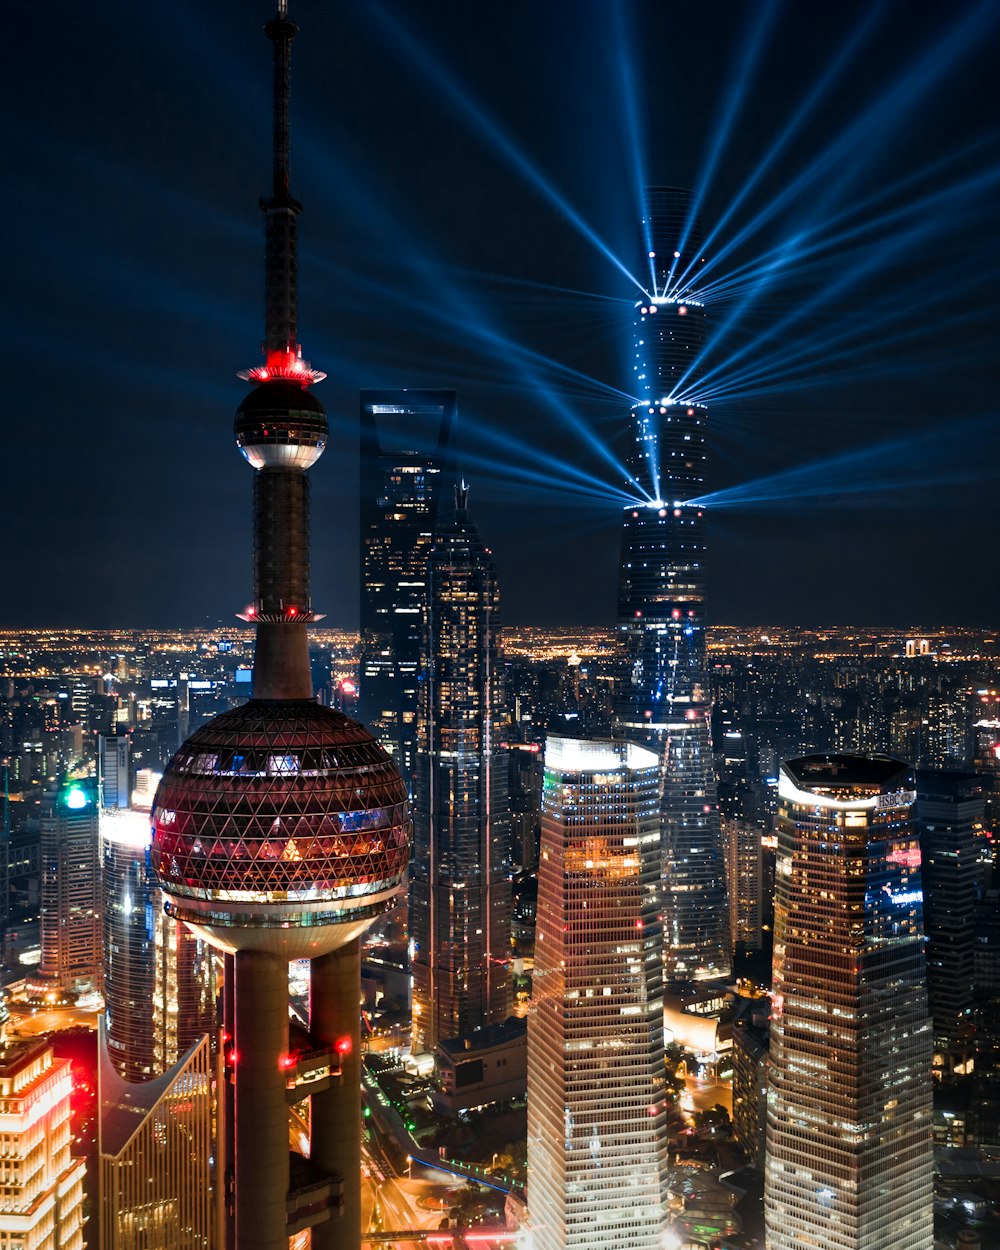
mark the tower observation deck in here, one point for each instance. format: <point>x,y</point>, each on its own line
<point>281,828</point>
<point>663,700</point>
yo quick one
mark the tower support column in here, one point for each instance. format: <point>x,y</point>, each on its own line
<point>335,1116</point>
<point>261,1155</point>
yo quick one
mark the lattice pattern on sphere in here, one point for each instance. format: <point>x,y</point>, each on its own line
<point>280,802</point>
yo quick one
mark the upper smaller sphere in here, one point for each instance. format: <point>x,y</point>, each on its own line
<point>281,425</point>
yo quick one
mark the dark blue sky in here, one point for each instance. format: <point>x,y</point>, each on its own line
<point>433,144</point>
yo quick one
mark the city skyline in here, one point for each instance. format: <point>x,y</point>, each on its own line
<point>108,285</point>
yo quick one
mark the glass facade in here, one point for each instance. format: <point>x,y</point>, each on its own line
<point>460,876</point>
<point>70,890</point>
<point>849,1153</point>
<point>289,804</point>
<point>159,984</point>
<point>596,1111</point>
<point>950,809</point>
<point>155,1150</point>
<point>663,700</point>
<point>405,447</point>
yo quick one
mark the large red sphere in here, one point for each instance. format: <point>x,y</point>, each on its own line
<point>276,817</point>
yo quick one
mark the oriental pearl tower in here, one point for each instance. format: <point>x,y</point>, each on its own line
<point>281,829</point>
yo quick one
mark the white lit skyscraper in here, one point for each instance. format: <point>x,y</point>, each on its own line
<point>849,1153</point>
<point>41,1197</point>
<point>596,1113</point>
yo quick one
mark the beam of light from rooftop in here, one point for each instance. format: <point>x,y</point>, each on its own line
<point>622,41</point>
<point>739,80</point>
<point>934,458</point>
<point>859,142</point>
<point>825,240</point>
<point>471,112</point>
<point>840,62</point>
<point>870,329</point>
<point>877,256</point>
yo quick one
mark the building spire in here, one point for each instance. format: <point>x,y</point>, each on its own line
<point>282,353</point>
<point>281,429</point>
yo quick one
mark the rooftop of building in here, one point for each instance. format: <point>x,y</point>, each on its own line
<point>833,771</point>
<point>510,1030</point>
<point>942,783</point>
<point>17,1053</point>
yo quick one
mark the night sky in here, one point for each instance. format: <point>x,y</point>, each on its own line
<point>466,169</point>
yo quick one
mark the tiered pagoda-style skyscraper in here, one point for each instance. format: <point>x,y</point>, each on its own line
<point>460,891</point>
<point>664,701</point>
<point>281,828</point>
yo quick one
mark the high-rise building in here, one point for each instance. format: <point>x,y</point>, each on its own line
<point>745,883</point>
<point>596,1108</point>
<point>280,828</point>
<point>130,896</point>
<point>663,700</point>
<point>849,1154</point>
<point>984,1104</point>
<point>950,820</point>
<point>155,1147</point>
<point>41,1198</point>
<point>406,452</point>
<point>113,770</point>
<point>71,897</point>
<point>460,875</point>
<point>750,1064</point>
<point>159,984</point>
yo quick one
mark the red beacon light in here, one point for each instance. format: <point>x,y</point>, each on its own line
<point>343,1046</point>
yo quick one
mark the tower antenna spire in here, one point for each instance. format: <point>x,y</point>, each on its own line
<point>282,353</point>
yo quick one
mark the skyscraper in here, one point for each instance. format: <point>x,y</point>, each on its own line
<point>849,1155</point>
<point>406,451</point>
<point>159,983</point>
<point>155,1147</point>
<point>596,1109</point>
<point>70,890</point>
<point>41,1199</point>
<point>113,770</point>
<point>460,880</point>
<point>949,812</point>
<point>664,701</point>
<point>281,827</point>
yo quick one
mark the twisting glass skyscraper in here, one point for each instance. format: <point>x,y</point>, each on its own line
<point>849,1153</point>
<point>664,699</point>
<point>460,884</point>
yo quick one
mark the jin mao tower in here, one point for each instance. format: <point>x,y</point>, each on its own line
<point>280,829</point>
<point>664,701</point>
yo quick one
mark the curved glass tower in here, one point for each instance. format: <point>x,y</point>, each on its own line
<point>664,700</point>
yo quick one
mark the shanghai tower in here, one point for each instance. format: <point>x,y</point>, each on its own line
<point>663,699</point>
<point>281,829</point>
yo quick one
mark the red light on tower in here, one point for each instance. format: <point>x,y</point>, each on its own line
<point>343,1046</point>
